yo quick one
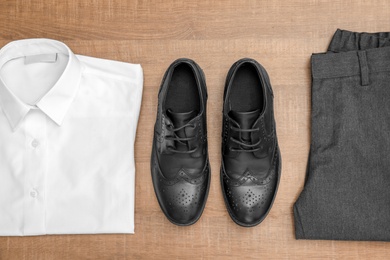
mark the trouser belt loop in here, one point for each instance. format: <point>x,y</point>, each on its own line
<point>365,80</point>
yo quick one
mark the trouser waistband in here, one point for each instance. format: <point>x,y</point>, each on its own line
<point>353,54</point>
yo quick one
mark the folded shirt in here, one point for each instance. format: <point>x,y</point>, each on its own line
<point>67,131</point>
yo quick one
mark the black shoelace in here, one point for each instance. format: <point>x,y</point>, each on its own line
<point>180,140</point>
<point>245,146</point>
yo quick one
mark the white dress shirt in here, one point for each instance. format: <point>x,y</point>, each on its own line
<point>67,131</point>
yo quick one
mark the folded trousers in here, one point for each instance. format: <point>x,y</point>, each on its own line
<point>346,195</point>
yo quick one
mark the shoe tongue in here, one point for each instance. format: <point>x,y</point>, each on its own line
<point>181,118</point>
<point>245,119</point>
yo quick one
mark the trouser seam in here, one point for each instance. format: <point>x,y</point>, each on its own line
<point>298,217</point>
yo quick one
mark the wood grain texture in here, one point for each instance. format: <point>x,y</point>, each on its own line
<point>279,34</point>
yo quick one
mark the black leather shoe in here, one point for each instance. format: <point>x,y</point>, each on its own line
<point>251,160</point>
<point>179,163</point>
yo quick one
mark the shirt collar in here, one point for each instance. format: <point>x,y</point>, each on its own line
<point>56,102</point>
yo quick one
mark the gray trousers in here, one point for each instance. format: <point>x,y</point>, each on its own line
<point>347,189</point>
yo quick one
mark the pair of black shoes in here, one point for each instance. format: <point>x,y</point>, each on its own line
<point>250,170</point>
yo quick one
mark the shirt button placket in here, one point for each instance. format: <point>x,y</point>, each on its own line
<point>35,170</point>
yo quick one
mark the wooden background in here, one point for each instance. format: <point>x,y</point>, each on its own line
<point>279,34</point>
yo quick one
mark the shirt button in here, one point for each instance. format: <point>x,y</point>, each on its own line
<point>33,193</point>
<point>35,143</point>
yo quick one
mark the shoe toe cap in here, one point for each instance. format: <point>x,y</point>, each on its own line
<point>248,204</point>
<point>182,200</point>
<point>183,203</point>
